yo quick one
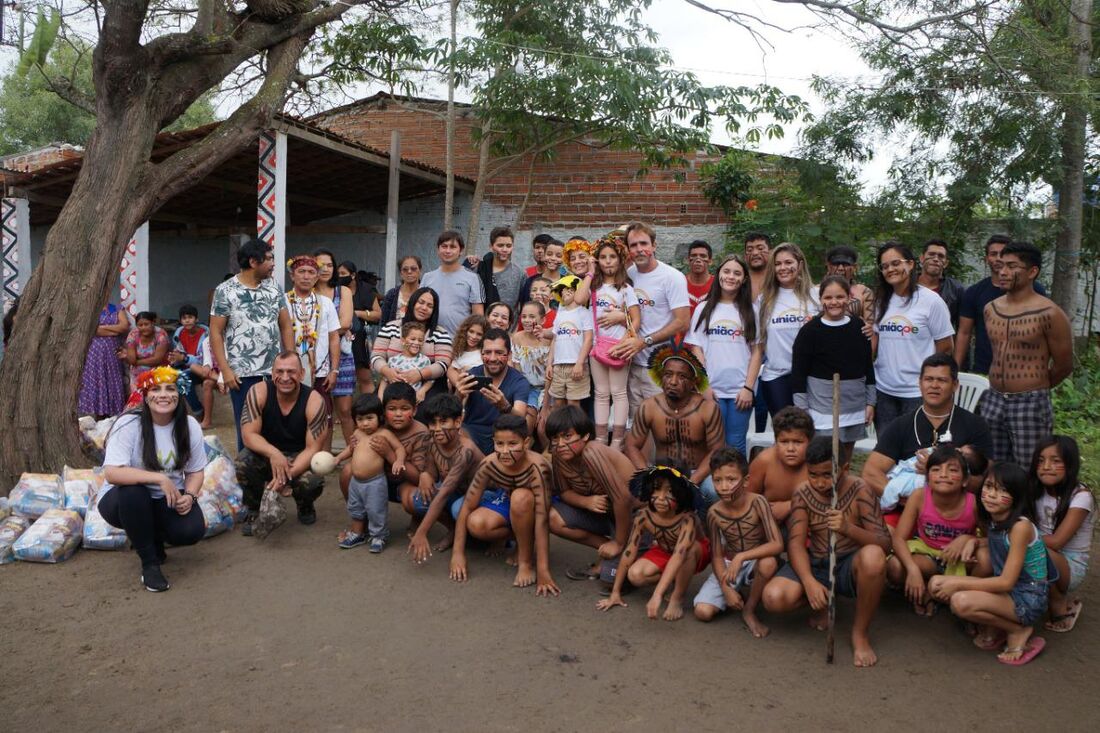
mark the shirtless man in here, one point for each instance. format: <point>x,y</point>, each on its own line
<point>757,249</point>
<point>684,426</point>
<point>591,479</point>
<point>841,261</point>
<point>781,468</point>
<point>1032,353</point>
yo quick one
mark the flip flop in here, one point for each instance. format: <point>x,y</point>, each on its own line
<point>1031,650</point>
<point>1065,622</point>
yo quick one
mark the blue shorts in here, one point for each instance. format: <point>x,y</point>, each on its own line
<point>1030,601</point>
<point>496,499</point>
<point>845,573</point>
<point>420,508</point>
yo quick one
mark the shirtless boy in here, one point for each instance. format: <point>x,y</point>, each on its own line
<point>510,494</point>
<point>451,461</point>
<point>745,544</point>
<point>862,542</point>
<point>367,500</point>
<point>1032,353</point>
<point>684,426</point>
<point>781,468</point>
<point>592,504</point>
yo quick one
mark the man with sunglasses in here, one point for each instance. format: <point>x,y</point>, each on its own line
<point>933,275</point>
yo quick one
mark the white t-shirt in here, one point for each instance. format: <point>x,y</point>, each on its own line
<point>124,449</point>
<point>569,328</point>
<point>467,360</point>
<point>724,347</point>
<point>787,318</point>
<point>907,335</point>
<point>1046,505</point>
<point>328,320</point>
<point>609,297</point>
<point>658,291</point>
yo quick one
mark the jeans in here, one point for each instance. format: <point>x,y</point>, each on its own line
<point>148,522</point>
<point>735,421</point>
<point>236,396</point>
<point>760,408</point>
<point>194,397</point>
<point>889,408</point>
<point>777,393</point>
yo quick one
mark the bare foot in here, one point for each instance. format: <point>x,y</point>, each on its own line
<point>525,576</point>
<point>863,654</point>
<point>758,629</point>
<point>495,548</point>
<point>819,620</point>
<point>1015,644</point>
<point>444,544</point>
<point>674,611</point>
<point>205,425</point>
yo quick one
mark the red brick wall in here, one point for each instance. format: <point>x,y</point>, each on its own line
<point>582,186</point>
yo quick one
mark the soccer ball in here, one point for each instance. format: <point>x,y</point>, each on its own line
<point>322,463</point>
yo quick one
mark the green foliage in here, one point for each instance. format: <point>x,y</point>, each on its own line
<point>45,33</point>
<point>1077,412</point>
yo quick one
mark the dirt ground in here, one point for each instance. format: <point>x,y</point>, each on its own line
<point>293,633</point>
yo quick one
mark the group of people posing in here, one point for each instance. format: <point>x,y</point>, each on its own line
<point>483,424</point>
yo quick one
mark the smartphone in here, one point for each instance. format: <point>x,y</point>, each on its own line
<point>482,382</point>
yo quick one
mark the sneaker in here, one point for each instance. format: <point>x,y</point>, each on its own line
<point>246,523</point>
<point>307,516</point>
<point>153,579</point>
<point>353,539</point>
<point>377,544</point>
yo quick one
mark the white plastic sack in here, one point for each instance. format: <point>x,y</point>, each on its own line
<point>80,485</point>
<point>217,514</point>
<point>35,493</point>
<point>98,534</point>
<point>53,537</point>
<point>10,529</point>
<point>220,479</point>
<point>5,507</point>
<point>214,447</point>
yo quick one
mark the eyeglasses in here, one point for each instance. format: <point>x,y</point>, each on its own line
<point>892,265</point>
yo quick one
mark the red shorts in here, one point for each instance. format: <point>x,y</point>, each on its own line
<point>660,558</point>
<point>891,517</point>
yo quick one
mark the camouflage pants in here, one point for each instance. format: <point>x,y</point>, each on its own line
<point>254,472</point>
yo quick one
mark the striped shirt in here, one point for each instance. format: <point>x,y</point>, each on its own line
<point>437,347</point>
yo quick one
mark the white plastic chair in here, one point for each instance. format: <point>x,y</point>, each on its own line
<point>971,387</point>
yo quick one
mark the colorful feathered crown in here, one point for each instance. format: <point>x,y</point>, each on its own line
<point>164,375</point>
<point>666,353</point>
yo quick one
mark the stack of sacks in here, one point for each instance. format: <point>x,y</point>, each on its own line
<point>53,537</point>
<point>10,529</point>
<point>80,485</point>
<point>98,535</point>
<point>221,499</point>
<point>35,493</point>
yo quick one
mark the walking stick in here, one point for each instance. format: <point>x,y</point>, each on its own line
<point>832,535</point>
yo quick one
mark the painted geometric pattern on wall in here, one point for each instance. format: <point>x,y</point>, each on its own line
<point>9,223</point>
<point>128,278</point>
<point>265,189</point>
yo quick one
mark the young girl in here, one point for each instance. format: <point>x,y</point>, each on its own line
<point>833,343</point>
<point>1015,597</point>
<point>467,348</point>
<point>943,516</point>
<point>411,357</point>
<point>722,335</point>
<point>499,316</point>
<point>146,346</point>
<point>1065,511</point>
<point>577,256</point>
<point>615,313</point>
<point>530,355</point>
<point>679,551</point>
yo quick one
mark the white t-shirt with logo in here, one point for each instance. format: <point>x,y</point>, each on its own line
<point>124,448</point>
<point>569,327</point>
<point>724,347</point>
<point>907,335</point>
<point>787,318</point>
<point>658,291</point>
<point>609,297</point>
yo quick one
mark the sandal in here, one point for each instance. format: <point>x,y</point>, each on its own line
<point>586,573</point>
<point>1066,621</point>
<point>1027,652</point>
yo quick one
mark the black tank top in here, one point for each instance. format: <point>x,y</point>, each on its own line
<point>285,432</point>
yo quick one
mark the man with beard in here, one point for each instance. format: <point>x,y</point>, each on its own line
<point>933,275</point>
<point>1032,353</point>
<point>492,389</point>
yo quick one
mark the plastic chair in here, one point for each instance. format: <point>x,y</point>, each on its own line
<point>971,387</point>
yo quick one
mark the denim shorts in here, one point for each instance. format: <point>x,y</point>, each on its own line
<point>1030,600</point>
<point>420,508</point>
<point>845,573</point>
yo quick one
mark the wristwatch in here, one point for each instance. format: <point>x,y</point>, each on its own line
<point>648,340</point>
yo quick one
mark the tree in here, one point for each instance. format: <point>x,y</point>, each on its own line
<point>143,77</point>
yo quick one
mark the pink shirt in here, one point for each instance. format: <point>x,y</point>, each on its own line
<point>937,531</point>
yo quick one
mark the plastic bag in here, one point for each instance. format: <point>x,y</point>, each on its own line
<point>10,529</point>
<point>221,479</point>
<point>214,448</point>
<point>94,435</point>
<point>5,507</point>
<point>53,537</point>
<point>35,493</point>
<point>80,485</point>
<point>217,513</point>
<point>272,514</point>
<point>98,533</point>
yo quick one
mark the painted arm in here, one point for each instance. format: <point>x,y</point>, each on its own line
<point>630,554</point>
<point>684,541</point>
<point>636,438</point>
<point>544,581</point>
<point>473,498</point>
<point>869,529</point>
<point>612,471</point>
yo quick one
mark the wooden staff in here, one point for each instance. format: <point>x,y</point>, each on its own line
<point>829,642</point>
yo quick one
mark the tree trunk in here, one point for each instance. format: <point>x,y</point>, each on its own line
<point>40,374</point>
<point>449,192</point>
<point>1072,190</point>
<point>482,181</point>
<point>527,195</point>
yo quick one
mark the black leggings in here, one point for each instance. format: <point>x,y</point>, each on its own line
<point>149,522</point>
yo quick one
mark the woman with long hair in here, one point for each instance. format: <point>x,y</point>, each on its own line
<point>366,313</point>
<point>154,460</point>
<point>329,286</point>
<point>787,302</point>
<point>103,382</point>
<point>423,307</point>
<point>722,335</point>
<point>911,324</point>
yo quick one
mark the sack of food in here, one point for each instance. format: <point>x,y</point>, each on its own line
<point>53,537</point>
<point>35,493</point>
<point>272,514</point>
<point>10,529</point>
<point>94,435</point>
<point>98,534</point>
<point>217,514</point>
<point>5,507</point>
<point>80,485</point>
<point>219,476</point>
<point>214,447</point>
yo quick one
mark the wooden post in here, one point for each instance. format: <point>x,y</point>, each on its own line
<point>389,276</point>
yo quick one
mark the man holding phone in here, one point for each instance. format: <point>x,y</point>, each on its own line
<point>492,389</point>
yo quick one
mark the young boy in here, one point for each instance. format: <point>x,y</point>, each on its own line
<point>518,503</point>
<point>862,542</point>
<point>367,492</point>
<point>452,461</point>
<point>411,357</point>
<point>572,342</point>
<point>187,353</point>
<point>742,527</point>
<point>779,469</point>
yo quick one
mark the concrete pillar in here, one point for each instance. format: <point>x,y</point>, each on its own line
<point>15,222</point>
<point>390,275</point>
<point>133,272</point>
<point>271,199</point>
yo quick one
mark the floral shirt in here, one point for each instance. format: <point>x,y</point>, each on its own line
<point>252,339</point>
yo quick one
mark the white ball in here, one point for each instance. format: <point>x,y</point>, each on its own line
<point>322,463</point>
